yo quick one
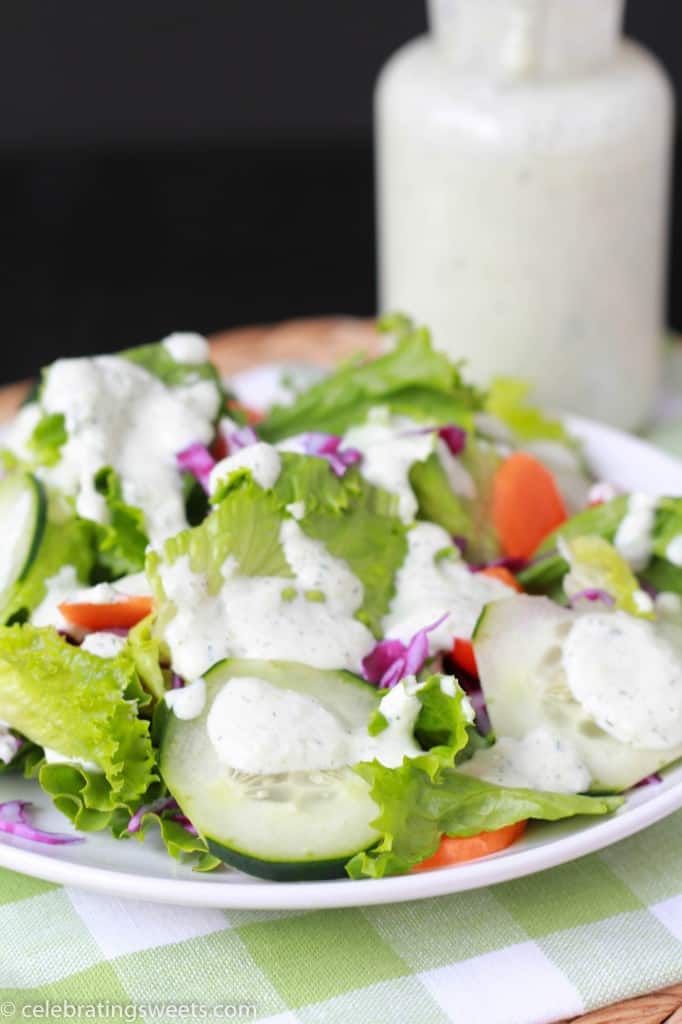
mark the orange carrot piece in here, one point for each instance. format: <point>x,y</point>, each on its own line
<point>527,505</point>
<point>455,850</point>
<point>122,614</point>
<point>499,572</point>
<point>463,656</point>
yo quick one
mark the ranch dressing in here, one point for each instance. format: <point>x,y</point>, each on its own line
<point>541,760</point>
<point>391,445</point>
<point>187,348</point>
<point>308,617</point>
<point>434,580</point>
<point>523,158</point>
<point>117,414</point>
<point>262,729</point>
<point>634,536</point>
<point>261,459</point>
<point>628,678</point>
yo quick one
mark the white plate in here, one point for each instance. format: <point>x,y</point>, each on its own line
<point>144,871</point>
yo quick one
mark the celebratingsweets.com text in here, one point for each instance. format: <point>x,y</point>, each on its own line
<point>104,1010</point>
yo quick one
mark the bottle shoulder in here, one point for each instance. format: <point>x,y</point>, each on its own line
<point>417,84</point>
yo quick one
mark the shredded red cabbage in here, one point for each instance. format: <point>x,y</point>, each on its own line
<point>461,543</point>
<point>13,821</point>
<point>454,437</point>
<point>328,447</point>
<point>391,660</point>
<point>197,460</point>
<point>650,780</point>
<point>594,594</point>
<point>243,437</point>
<point>165,803</point>
<point>181,819</point>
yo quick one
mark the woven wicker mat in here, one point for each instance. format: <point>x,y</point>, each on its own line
<point>323,341</point>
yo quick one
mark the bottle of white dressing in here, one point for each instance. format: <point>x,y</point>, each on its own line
<point>523,164</point>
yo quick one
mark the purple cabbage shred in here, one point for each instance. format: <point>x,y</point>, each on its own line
<point>197,460</point>
<point>14,822</point>
<point>328,446</point>
<point>391,660</point>
<point>594,594</point>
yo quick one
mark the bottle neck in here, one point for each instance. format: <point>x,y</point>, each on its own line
<point>517,39</point>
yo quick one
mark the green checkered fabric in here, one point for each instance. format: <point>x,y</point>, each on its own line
<point>537,949</point>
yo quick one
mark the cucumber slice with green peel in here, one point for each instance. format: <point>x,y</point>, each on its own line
<point>286,826</point>
<point>518,646</point>
<point>23,507</point>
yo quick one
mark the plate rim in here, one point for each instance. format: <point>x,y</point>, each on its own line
<point>261,895</point>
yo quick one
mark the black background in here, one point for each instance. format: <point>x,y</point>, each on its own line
<point>168,165</point>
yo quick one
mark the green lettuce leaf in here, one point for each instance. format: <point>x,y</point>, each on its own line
<point>507,401</point>
<point>245,525</point>
<point>468,518</point>
<point>442,726</point>
<point>157,360</point>
<point>67,541</point>
<point>146,652</point>
<point>668,524</point>
<point>663,576</point>
<point>48,438</point>
<point>547,571</point>
<point>594,563</point>
<point>86,707</point>
<point>350,517</point>
<point>413,379</point>
<point>416,810</point>
<point>180,844</point>
<point>122,542</point>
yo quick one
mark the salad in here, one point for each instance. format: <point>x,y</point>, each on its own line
<point>374,629</point>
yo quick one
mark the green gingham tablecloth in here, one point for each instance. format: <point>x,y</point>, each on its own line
<point>537,949</point>
<point>534,950</point>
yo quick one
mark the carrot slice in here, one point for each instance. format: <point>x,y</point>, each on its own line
<point>463,656</point>
<point>527,504</point>
<point>122,614</point>
<point>499,572</point>
<point>456,849</point>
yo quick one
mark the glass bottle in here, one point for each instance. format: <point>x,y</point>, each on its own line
<point>523,166</point>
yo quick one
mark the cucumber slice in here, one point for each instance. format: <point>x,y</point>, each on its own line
<point>288,826</point>
<point>518,653</point>
<point>22,522</point>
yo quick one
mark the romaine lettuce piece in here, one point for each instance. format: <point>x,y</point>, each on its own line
<point>354,521</point>
<point>413,379</point>
<point>122,542</point>
<point>416,810</point>
<point>506,400</point>
<point>158,360</point>
<point>596,565</point>
<point>62,697</point>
